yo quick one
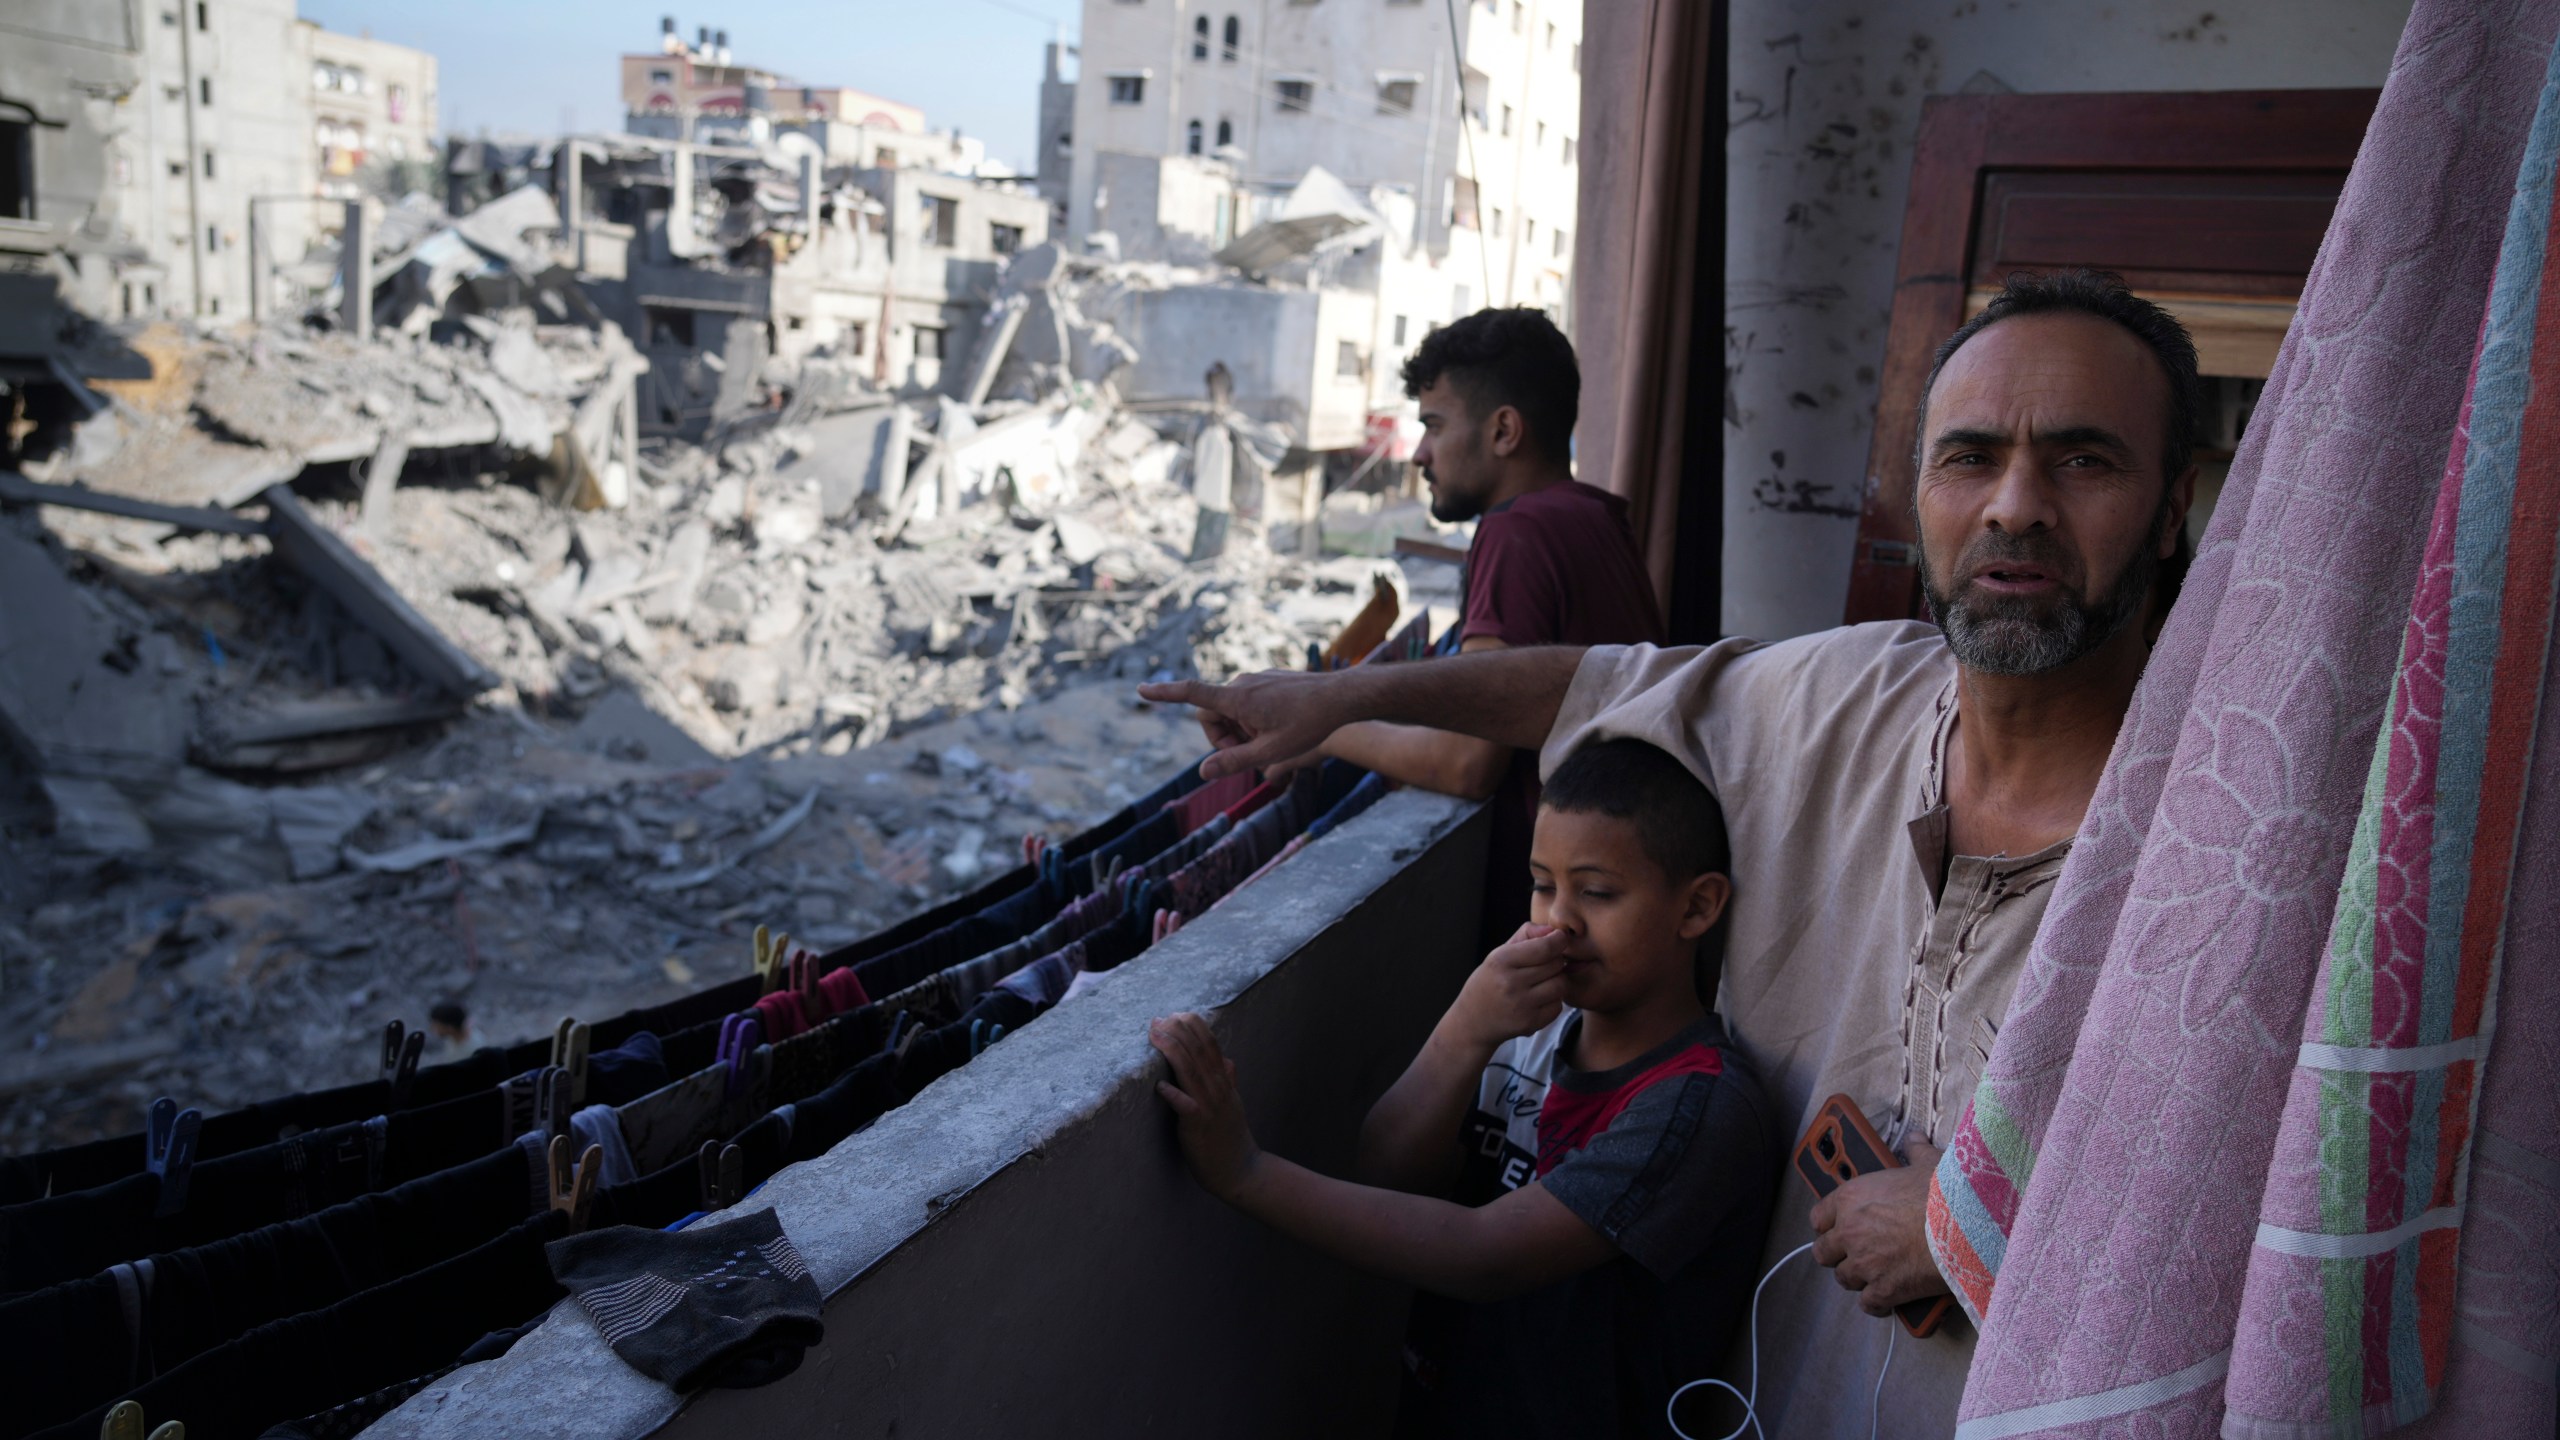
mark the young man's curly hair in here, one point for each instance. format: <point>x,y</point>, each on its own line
<point>1513,357</point>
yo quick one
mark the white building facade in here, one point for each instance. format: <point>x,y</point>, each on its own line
<point>1462,151</point>
<point>373,106</point>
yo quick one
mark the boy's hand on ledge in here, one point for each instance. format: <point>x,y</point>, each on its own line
<point>1518,990</point>
<point>1257,721</point>
<point>1873,1233</point>
<point>1208,1113</point>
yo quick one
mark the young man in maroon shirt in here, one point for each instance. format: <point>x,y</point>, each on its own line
<point>1553,561</point>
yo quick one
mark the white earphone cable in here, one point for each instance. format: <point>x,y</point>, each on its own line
<point>1750,1406</point>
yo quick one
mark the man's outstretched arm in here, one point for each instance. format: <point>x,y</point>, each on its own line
<point>1507,696</point>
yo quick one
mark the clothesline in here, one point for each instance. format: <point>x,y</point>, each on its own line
<point>194,1290</point>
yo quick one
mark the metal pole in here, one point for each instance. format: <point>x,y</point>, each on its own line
<point>355,275</point>
<point>257,266</point>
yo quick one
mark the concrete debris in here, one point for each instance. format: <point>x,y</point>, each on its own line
<point>551,654</point>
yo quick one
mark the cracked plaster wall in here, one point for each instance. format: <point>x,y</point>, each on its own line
<point>1823,111</point>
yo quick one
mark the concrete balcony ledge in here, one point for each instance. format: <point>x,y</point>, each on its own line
<point>1018,1250</point>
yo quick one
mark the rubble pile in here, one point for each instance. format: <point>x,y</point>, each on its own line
<point>351,679</point>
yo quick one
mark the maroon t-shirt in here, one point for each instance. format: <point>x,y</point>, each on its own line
<point>1557,566</point>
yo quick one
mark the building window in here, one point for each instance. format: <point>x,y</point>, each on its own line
<point>1004,239</point>
<point>1538,134</point>
<point>1568,149</point>
<point>1577,57</point>
<point>1506,119</point>
<point>669,325</point>
<point>208,164</point>
<point>1346,359</point>
<point>1200,38</point>
<point>1528,229</point>
<point>1399,338</point>
<point>177,169</point>
<point>204,89</point>
<point>1297,97</point>
<point>204,18</point>
<point>1226,133</point>
<point>928,342</point>
<point>213,239</point>
<point>1191,137</point>
<point>1128,89</point>
<point>662,77</point>
<point>1495,227</point>
<point>1395,97</point>
<point>1234,39</point>
<point>1560,243</point>
<point>1551,34</point>
<point>1519,17</point>
<point>18,172</point>
<point>1066,142</point>
<point>853,337</point>
<point>1462,203</point>
<point>941,222</point>
<point>1462,301</point>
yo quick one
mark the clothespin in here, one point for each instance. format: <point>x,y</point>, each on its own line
<point>552,1101</point>
<point>724,1175</point>
<point>804,978</point>
<point>169,1151</point>
<point>573,1191</point>
<point>569,1053</point>
<point>739,1036</point>
<point>124,1422</point>
<point>772,953</point>
<point>400,1051</point>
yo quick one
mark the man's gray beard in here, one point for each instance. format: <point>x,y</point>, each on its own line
<point>2005,635</point>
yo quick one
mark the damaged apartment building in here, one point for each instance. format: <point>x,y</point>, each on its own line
<point>1340,180</point>
<point>741,219</point>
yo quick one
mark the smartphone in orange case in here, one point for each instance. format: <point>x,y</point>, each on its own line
<point>1840,1146</point>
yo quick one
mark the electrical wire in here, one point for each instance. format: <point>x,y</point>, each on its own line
<point>1484,254</point>
<point>1750,1401</point>
<point>1049,20</point>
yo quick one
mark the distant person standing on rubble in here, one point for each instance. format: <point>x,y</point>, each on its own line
<point>1553,562</point>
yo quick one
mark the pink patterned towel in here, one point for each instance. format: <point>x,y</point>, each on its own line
<point>2299,896</point>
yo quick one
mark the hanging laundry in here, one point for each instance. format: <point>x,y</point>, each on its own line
<point>728,1305</point>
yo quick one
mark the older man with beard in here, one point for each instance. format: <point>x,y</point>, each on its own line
<point>1900,796</point>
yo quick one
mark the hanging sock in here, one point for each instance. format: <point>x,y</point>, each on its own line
<point>728,1305</point>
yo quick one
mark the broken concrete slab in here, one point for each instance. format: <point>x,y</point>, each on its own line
<point>301,541</point>
<point>93,817</point>
<point>16,489</point>
<point>63,697</point>
<point>314,823</point>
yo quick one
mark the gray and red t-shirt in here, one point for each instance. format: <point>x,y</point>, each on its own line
<point>1674,1158</point>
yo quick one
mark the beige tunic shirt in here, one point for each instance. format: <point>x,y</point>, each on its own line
<point>1850,968</point>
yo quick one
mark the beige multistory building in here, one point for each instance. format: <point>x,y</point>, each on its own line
<point>373,108</point>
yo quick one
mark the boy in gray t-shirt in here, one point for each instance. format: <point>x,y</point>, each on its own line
<point>1576,1167</point>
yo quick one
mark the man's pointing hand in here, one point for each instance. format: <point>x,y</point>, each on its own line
<point>1258,721</point>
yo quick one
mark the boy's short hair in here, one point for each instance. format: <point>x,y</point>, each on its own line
<point>1515,357</point>
<point>1676,819</point>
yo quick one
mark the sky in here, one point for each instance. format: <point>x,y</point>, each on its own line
<point>539,65</point>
